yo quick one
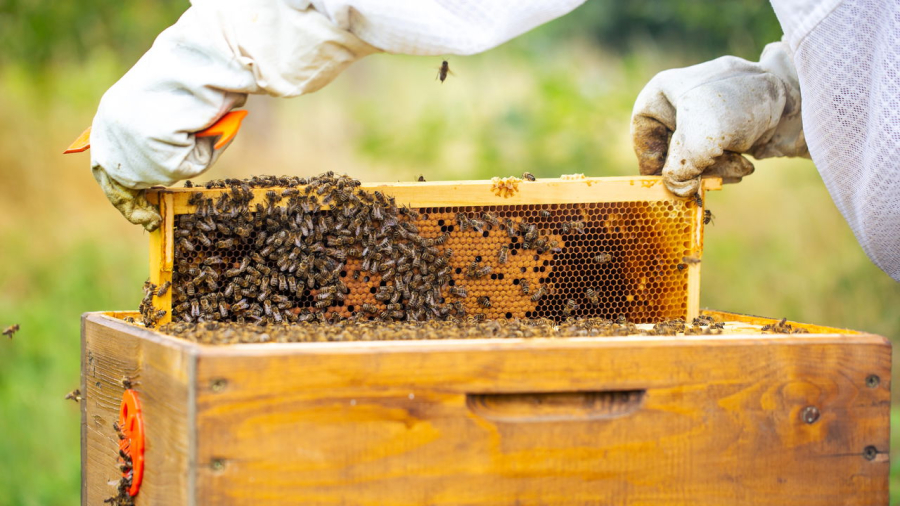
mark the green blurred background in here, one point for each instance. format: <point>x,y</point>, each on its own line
<point>556,100</point>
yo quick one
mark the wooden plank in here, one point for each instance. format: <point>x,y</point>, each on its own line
<point>693,270</point>
<point>719,422</point>
<point>161,254</point>
<point>478,193</point>
<point>164,373</point>
<point>725,316</point>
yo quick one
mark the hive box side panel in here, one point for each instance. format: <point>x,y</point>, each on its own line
<point>162,375</point>
<point>701,421</point>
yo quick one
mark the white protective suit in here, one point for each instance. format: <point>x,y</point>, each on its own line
<point>220,51</point>
<point>843,57</point>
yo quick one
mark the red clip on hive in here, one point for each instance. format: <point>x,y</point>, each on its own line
<point>131,423</point>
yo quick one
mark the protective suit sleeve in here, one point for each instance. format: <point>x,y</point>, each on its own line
<point>202,67</point>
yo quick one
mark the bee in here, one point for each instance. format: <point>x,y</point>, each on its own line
<point>74,395</point>
<point>577,226</point>
<point>510,228</point>
<point>463,221</point>
<point>503,254</point>
<point>681,267</point>
<point>545,213</point>
<point>422,177</point>
<point>163,289</point>
<point>708,217</point>
<point>476,224</point>
<point>602,258</point>
<point>570,307</point>
<point>187,245</point>
<point>592,296</point>
<point>459,291</point>
<point>698,199</point>
<point>540,292</point>
<point>484,301</point>
<point>225,244</point>
<point>443,71</point>
<point>484,271</point>
<point>691,260</point>
<point>491,219</point>
<point>526,289</point>
<point>11,330</point>
<point>528,176</point>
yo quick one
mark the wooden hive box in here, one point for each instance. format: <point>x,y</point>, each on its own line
<point>738,418</point>
<point>741,418</point>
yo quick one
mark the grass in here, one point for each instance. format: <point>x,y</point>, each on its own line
<point>778,247</point>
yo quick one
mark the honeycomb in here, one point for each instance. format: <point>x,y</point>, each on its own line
<point>629,254</point>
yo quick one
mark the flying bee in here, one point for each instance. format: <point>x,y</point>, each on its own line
<point>484,301</point>
<point>503,254</point>
<point>540,292</point>
<point>602,258</point>
<point>11,330</point>
<point>691,260</point>
<point>74,395</point>
<point>163,289</point>
<point>592,296</point>
<point>528,176</point>
<point>443,71</point>
<point>708,217</point>
<point>570,307</point>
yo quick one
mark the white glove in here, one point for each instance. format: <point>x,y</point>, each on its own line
<point>199,69</point>
<point>222,50</point>
<point>698,120</point>
<point>131,203</point>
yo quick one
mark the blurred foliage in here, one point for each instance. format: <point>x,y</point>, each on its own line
<point>37,33</point>
<point>557,100</point>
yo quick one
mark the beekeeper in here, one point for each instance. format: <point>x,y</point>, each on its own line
<point>843,54</point>
<point>843,57</point>
<point>220,51</point>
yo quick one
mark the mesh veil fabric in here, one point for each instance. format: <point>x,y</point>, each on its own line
<point>849,69</point>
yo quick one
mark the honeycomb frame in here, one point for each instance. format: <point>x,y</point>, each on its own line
<point>646,229</point>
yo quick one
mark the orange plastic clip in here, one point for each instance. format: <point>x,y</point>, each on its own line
<point>82,143</point>
<point>227,127</point>
<point>131,423</point>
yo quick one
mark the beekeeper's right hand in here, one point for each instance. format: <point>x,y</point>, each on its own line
<point>699,120</point>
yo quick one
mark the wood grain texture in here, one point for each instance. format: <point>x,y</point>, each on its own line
<point>389,424</point>
<point>478,193</point>
<point>163,371</point>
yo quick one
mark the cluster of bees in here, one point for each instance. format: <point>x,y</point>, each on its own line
<point>782,327</point>
<point>285,260</point>
<point>122,497</point>
<point>469,328</point>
